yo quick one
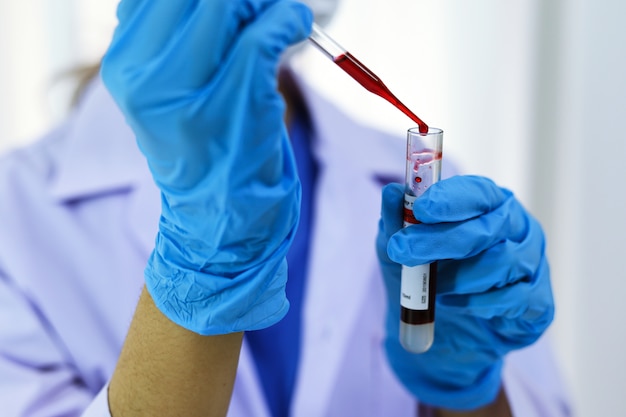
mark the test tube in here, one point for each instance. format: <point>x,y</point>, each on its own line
<point>418,283</point>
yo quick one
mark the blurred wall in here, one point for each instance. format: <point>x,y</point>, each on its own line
<point>528,92</point>
<point>580,193</point>
<point>40,41</point>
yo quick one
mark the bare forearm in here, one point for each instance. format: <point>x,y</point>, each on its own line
<point>165,370</point>
<point>499,408</point>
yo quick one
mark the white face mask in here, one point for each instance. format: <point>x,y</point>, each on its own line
<point>323,10</point>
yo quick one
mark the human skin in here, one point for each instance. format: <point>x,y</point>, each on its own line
<point>166,370</point>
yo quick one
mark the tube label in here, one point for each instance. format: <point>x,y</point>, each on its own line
<point>414,287</point>
<point>415,280</point>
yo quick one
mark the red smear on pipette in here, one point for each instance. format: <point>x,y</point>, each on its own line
<point>372,83</point>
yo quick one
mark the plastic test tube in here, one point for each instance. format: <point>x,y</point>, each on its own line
<point>418,285</point>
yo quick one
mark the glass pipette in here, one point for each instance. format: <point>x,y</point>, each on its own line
<point>359,72</point>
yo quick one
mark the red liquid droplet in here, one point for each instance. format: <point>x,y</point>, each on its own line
<point>418,179</point>
<point>372,83</point>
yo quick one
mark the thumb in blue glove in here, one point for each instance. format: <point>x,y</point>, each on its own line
<point>493,291</point>
<point>196,81</point>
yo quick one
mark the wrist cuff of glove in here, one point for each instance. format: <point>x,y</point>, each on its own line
<point>483,392</point>
<point>210,304</point>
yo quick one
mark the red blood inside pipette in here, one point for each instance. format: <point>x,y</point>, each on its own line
<point>372,83</point>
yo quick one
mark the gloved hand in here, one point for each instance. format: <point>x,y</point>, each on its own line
<point>493,286</point>
<point>196,81</point>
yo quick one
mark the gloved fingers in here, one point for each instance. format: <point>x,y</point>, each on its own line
<point>381,251</point>
<point>214,30</point>
<point>263,41</point>
<point>197,34</point>
<point>391,273</point>
<point>145,27</point>
<point>126,8</point>
<point>503,264</point>
<point>425,243</point>
<point>391,209</point>
<point>527,301</point>
<point>526,328</point>
<point>247,86</point>
<point>510,302</point>
<point>459,198</point>
<point>390,221</point>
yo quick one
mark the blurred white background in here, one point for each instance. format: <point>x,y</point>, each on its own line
<point>531,93</point>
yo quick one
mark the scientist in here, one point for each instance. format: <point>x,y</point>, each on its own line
<point>240,182</point>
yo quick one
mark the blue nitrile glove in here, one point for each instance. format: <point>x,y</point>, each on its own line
<point>196,81</point>
<point>493,286</point>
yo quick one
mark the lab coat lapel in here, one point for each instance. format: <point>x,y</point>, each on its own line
<point>143,215</point>
<point>334,294</point>
<point>100,156</point>
<point>248,397</point>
